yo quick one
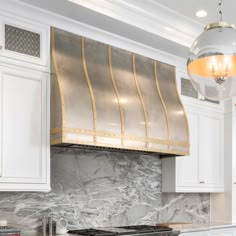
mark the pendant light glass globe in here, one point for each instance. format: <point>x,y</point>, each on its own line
<point>212,62</point>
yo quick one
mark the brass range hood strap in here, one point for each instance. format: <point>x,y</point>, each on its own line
<point>141,99</point>
<point>117,95</point>
<point>58,78</point>
<point>185,114</point>
<point>162,101</point>
<point>90,89</point>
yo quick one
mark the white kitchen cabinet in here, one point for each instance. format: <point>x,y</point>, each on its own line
<point>234,147</point>
<point>196,233</point>
<point>24,43</point>
<point>222,232</point>
<point>202,170</point>
<point>24,129</point>
<point>188,173</point>
<point>214,231</point>
<point>211,150</point>
<point>223,206</point>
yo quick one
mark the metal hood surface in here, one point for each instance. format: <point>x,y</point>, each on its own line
<point>102,96</point>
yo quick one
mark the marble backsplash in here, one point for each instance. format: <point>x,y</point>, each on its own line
<point>101,188</point>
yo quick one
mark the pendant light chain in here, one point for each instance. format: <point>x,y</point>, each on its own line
<point>220,14</point>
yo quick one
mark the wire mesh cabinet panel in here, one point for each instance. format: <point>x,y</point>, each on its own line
<point>23,42</point>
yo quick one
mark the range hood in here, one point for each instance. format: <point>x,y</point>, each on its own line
<point>102,96</point>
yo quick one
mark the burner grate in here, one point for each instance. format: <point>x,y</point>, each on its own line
<point>92,232</point>
<point>146,228</point>
<point>125,231</point>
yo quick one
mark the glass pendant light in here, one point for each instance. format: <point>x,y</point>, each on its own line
<point>212,60</point>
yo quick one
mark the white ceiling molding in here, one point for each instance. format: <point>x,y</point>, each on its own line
<point>31,13</point>
<point>149,16</point>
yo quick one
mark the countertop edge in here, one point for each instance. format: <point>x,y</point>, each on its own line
<point>206,228</point>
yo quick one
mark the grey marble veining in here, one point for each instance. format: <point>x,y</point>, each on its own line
<point>101,188</point>
<point>188,207</point>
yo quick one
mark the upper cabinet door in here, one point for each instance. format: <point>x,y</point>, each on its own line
<point>24,131</point>
<point>24,42</point>
<point>187,166</point>
<point>210,150</point>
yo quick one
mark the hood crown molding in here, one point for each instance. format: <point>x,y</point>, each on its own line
<point>149,16</point>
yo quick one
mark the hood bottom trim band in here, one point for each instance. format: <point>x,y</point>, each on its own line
<point>150,140</point>
<point>113,149</point>
<point>62,142</point>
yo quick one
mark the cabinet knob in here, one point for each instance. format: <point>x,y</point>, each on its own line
<point>202,182</point>
<point>234,182</point>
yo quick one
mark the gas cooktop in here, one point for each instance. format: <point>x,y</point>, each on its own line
<point>137,230</point>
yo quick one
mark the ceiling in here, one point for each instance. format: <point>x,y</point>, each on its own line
<point>144,21</point>
<point>189,7</point>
